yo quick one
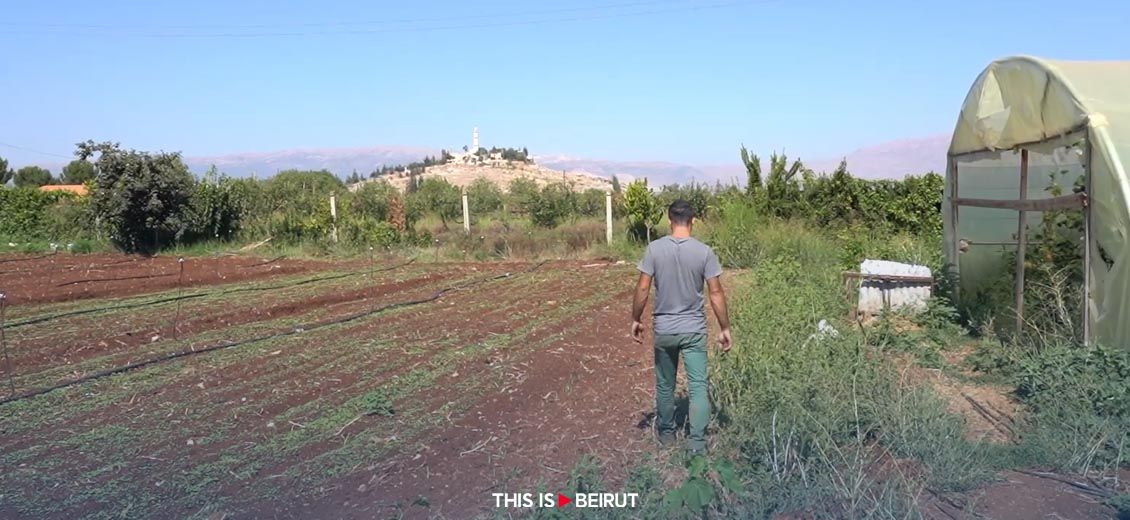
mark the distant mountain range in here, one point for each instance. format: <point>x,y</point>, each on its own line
<point>893,159</point>
<point>340,161</point>
<point>890,160</point>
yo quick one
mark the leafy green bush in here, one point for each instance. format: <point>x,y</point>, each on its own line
<point>440,197</point>
<point>554,203</point>
<point>1099,374</point>
<point>483,196</point>
<point>643,210</point>
<point>522,196</point>
<point>141,199</point>
<point>365,231</point>
<point>697,195</point>
<point>371,200</point>
<point>30,214</point>
<point>218,206</point>
<point>590,203</point>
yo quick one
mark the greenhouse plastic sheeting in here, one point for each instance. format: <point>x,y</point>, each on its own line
<point>1043,106</point>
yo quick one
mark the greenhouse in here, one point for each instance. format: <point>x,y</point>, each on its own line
<point>1036,198</point>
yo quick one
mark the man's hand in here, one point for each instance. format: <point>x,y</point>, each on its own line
<point>637,331</point>
<point>724,340</point>
<point>639,301</point>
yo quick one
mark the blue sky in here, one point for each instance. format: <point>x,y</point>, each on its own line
<point>613,79</point>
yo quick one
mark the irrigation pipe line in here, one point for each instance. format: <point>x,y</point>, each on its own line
<point>4,345</point>
<point>69,314</point>
<point>73,267</point>
<point>118,279</point>
<point>6,260</point>
<point>265,262</point>
<point>162,275</point>
<point>295,331</point>
<point>180,292</point>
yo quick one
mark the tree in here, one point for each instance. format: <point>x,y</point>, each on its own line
<point>698,195</point>
<point>5,172</point>
<point>77,172</point>
<point>590,202</point>
<point>438,195</point>
<point>523,195</point>
<point>555,202</point>
<point>753,173</point>
<point>372,200</point>
<point>218,206</point>
<point>32,177</point>
<point>141,199</point>
<point>643,210</point>
<point>782,189</point>
<point>615,184</point>
<point>353,178</point>
<point>484,196</point>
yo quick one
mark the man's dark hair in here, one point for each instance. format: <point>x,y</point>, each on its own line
<point>680,212</point>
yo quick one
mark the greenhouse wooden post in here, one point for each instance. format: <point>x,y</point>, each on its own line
<point>1021,242</point>
<point>956,245</point>
<point>1087,243</point>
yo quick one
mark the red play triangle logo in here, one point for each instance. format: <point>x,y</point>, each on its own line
<point>563,500</point>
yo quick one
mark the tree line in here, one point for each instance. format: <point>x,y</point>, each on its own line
<point>75,172</point>
<point>143,202</point>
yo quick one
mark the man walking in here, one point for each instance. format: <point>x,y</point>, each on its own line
<point>680,266</point>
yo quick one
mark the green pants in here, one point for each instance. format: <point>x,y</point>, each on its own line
<point>693,348</point>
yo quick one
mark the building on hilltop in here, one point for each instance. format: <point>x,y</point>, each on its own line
<point>471,154</point>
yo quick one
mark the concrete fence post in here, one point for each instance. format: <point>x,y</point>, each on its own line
<point>466,214</point>
<point>333,214</point>
<point>608,216</point>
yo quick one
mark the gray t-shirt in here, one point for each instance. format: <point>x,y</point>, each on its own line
<point>679,268</point>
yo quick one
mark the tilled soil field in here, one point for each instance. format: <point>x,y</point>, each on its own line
<point>287,389</point>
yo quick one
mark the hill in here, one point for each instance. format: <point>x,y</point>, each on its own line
<point>464,174</point>
<point>890,160</point>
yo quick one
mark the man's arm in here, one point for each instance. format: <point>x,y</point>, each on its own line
<point>639,302</point>
<point>718,303</point>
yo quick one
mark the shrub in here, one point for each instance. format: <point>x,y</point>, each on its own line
<point>697,195</point>
<point>366,231</point>
<point>218,206</point>
<point>590,203</point>
<point>643,210</point>
<point>522,196</point>
<point>371,200</point>
<point>554,203</point>
<point>30,214</point>
<point>438,196</point>
<point>141,199</point>
<point>484,196</point>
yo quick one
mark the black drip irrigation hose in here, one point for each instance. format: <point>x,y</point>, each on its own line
<point>297,330</point>
<point>6,260</point>
<point>118,279</point>
<point>271,261</point>
<point>74,267</point>
<point>125,306</point>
